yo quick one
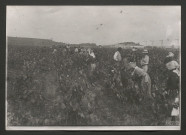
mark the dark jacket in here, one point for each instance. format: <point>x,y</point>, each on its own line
<point>173,81</point>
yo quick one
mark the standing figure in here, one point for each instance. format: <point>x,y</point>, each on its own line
<point>117,66</point>
<point>68,49</point>
<point>76,50</point>
<point>117,54</point>
<point>54,51</point>
<point>92,59</point>
<point>117,58</point>
<point>145,60</point>
<point>172,88</point>
<point>134,55</point>
<point>171,64</point>
<point>143,80</point>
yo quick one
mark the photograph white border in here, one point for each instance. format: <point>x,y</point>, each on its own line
<point>95,128</point>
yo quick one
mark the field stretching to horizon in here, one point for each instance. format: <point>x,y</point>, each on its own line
<point>46,89</point>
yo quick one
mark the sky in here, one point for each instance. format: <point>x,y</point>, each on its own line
<point>102,25</point>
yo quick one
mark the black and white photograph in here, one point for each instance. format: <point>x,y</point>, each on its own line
<point>93,67</point>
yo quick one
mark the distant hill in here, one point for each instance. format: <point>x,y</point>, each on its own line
<point>126,45</point>
<point>42,42</point>
<point>86,45</point>
<point>130,44</point>
<point>32,41</point>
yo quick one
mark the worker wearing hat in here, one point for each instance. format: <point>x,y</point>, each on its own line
<point>117,55</point>
<point>117,58</point>
<point>142,78</point>
<point>171,64</point>
<point>133,54</point>
<point>92,59</point>
<point>172,88</point>
<point>145,60</point>
<point>76,50</point>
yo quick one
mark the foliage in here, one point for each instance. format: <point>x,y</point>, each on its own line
<point>59,89</point>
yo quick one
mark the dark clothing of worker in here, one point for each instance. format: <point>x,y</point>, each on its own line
<point>172,89</point>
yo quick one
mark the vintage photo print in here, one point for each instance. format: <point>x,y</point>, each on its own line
<point>93,67</point>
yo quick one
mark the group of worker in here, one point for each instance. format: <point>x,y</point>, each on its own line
<point>140,73</point>
<point>141,76</point>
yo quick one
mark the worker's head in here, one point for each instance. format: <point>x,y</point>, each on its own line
<point>119,49</point>
<point>170,54</point>
<point>145,52</point>
<point>134,49</point>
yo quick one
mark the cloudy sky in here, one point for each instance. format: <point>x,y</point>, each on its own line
<point>95,24</point>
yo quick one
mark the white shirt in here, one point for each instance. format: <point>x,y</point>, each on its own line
<point>76,50</point>
<point>54,51</point>
<point>92,54</point>
<point>117,56</point>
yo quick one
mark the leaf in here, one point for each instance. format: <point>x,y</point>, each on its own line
<point>63,106</point>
